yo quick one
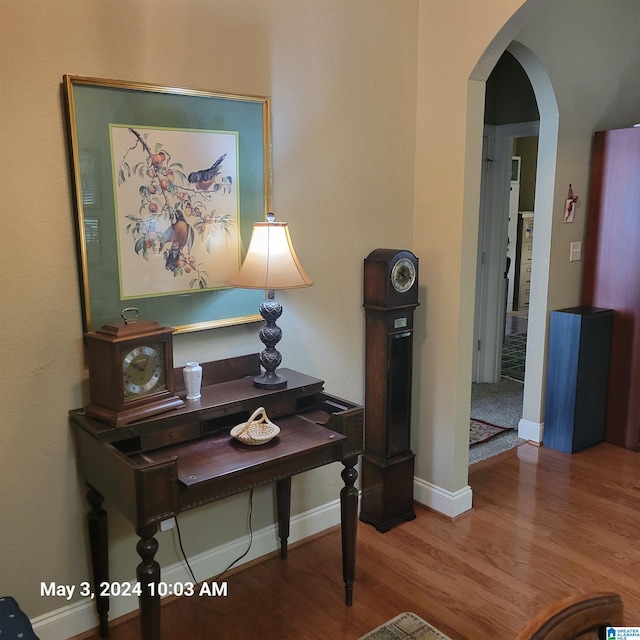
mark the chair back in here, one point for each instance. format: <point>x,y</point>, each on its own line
<point>576,617</point>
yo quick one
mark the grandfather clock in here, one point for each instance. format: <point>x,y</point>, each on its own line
<point>390,297</point>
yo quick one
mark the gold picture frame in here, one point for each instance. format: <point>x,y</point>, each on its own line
<point>167,185</point>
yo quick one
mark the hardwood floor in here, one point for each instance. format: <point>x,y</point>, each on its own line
<point>545,525</point>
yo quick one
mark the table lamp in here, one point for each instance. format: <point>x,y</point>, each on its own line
<point>271,263</point>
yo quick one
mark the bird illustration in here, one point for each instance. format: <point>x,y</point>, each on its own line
<point>205,177</point>
<point>173,256</point>
<point>181,235</point>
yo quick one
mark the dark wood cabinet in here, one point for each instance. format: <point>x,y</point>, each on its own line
<point>612,272</point>
<point>577,375</point>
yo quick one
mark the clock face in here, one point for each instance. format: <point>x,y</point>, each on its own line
<point>403,275</point>
<point>143,370</point>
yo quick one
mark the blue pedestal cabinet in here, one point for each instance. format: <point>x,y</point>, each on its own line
<point>577,377</point>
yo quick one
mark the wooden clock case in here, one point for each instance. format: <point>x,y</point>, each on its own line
<point>388,462</point>
<point>105,349</point>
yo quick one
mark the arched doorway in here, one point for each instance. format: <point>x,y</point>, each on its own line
<point>494,235</point>
<point>511,114</point>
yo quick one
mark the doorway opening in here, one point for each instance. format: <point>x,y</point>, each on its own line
<point>505,251</point>
<point>520,237</point>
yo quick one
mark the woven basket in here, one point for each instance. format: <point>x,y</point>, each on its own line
<point>258,429</point>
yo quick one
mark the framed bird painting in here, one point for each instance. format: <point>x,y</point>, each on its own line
<point>168,183</point>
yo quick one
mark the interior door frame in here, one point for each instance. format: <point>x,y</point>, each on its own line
<point>492,249</point>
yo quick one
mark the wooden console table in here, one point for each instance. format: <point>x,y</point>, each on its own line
<point>156,468</point>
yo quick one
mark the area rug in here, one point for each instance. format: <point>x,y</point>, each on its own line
<point>408,626</point>
<point>514,353</point>
<point>482,431</point>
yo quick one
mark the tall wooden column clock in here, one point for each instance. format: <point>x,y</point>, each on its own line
<point>390,297</point>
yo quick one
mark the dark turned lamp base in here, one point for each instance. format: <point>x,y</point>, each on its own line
<point>270,335</point>
<point>270,380</point>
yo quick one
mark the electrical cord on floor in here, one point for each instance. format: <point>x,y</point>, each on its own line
<point>250,539</point>
<point>184,555</point>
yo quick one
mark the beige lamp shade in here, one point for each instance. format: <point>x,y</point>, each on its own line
<point>271,261</point>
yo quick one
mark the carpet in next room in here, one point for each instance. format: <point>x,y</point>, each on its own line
<point>500,404</point>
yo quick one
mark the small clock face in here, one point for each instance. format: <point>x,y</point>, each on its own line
<point>143,370</point>
<point>403,275</point>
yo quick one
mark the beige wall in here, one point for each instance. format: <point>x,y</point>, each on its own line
<point>591,69</point>
<point>586,54</point>
<point>448,156</point>
<point>376,142</point>
<point>596,87</point>
<point>342,78</point>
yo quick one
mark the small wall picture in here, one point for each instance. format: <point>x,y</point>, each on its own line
<point>570,206</point>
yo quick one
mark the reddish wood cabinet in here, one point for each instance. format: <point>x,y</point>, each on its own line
<point>612,272</point>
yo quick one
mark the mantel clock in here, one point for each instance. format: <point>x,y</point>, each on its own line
<point>130,370</point>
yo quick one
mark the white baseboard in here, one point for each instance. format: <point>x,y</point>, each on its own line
<point>449,503</point>
<point>78,617</point>
<point>531,430</point>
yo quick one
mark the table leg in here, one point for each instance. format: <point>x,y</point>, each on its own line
<point>148,573</point>
<point>99,543</point>
<point>348,516</point>
<point>283,500</point>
